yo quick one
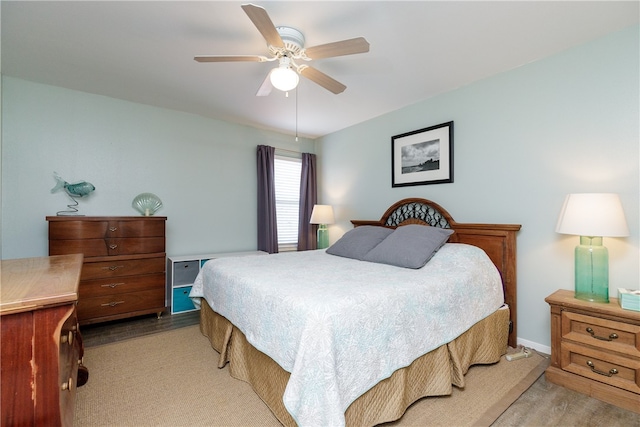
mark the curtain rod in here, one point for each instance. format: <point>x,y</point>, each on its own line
<point>288,151</point>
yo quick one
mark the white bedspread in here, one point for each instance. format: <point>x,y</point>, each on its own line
<point>340,326</point>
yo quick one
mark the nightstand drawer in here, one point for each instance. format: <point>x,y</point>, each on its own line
<point>601,366</point>
<point>602,333</point>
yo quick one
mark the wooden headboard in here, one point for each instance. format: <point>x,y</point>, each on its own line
<point>497,240</point>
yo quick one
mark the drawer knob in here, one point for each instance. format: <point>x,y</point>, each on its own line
<point>68,338</point>
<point>611,372</point>
<point>112,229</point>
<point>113,246</point>
<point>113,267</point>
<point>68,385</point>
<point>611,337</point>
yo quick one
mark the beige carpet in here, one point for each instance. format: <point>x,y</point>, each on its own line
<point>171,379</point>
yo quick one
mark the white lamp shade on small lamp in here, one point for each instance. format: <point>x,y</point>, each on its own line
<point>592,216</point>
<point>322,215</point>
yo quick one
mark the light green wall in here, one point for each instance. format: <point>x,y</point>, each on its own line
<point>204,170</point>
<point>522,141</point>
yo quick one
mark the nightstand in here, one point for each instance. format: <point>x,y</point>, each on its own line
<point>595,349</point>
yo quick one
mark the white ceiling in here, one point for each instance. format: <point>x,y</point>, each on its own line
<point>142,51</point>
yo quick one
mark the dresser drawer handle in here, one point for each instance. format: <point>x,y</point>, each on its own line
<point>611,337</point>
<point>112,303</point>
<point>111,285</point>
<point>112,229</point>
<point>113,246</point>
<point>113,267</point>
<point>611,372</point>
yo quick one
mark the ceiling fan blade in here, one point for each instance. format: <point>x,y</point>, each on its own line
<point>263,23</point>
<point>230,58</point>
<point>344,47</point>
<point>266,86</point>
<point>322,79</point>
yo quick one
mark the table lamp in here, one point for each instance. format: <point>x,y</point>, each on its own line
<point>322,215</point>
<point>592,216</point>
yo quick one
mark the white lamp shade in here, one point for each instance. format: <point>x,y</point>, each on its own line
<point>593,214</point>
<point>322,214</point>
<point>284,79</point>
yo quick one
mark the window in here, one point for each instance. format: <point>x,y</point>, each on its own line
<point>287,181</point>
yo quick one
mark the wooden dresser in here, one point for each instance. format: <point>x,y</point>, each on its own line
<point>123,274</point>
<point>40,343</point>
<point>595,349</point>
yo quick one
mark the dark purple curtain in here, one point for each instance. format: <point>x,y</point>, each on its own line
<point>267,225</point>
<point>308,198</point>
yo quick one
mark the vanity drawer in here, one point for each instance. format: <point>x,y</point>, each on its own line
<point>118,285</point>
<point>602,366</point>
<point>69,348</point>
<point>602,333</point>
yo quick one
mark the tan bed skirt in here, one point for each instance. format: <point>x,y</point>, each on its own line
<point>433,374</point>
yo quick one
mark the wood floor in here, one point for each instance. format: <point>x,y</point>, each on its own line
<point>543,404</point>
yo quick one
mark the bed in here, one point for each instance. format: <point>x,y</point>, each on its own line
<point>355,338</point>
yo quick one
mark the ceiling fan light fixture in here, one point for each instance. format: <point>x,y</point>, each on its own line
<point>284,78</point>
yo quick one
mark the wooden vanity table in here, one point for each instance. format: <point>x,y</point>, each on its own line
<point>41,345</point>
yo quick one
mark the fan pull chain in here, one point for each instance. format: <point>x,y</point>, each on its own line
<point>296,114</point>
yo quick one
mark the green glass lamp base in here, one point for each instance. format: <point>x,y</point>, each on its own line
<point>323,237</point>
<point>592,270</point>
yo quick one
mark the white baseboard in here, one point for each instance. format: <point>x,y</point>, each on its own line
<point>534,345</point>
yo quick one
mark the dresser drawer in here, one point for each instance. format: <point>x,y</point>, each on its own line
<point>107,247</point>
<point>605,367</point>
<point>105,306</point>
<point>118,285</point>
<point>119,267</point>
<point>602,333</point>
<point>99,229</point>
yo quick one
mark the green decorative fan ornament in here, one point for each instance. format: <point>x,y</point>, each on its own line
<point>147,203</point>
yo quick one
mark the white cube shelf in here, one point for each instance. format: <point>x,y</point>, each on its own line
<point>182,272</point>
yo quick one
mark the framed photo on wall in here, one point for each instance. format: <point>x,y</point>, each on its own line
<point>424,156</point>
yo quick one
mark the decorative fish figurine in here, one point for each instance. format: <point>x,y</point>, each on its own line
<point>79,189</point>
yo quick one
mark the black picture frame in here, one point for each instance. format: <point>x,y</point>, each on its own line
<point>422,157</point>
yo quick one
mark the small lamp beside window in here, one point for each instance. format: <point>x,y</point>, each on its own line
<point>322,215</point>
<point>592,216</point>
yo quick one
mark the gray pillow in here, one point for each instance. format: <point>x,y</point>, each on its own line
<point>357,242</point>
<point>409,246</point>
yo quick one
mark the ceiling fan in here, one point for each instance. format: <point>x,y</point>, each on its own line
<point>286,45</point>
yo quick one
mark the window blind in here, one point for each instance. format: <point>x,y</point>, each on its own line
<point>287,183</point>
